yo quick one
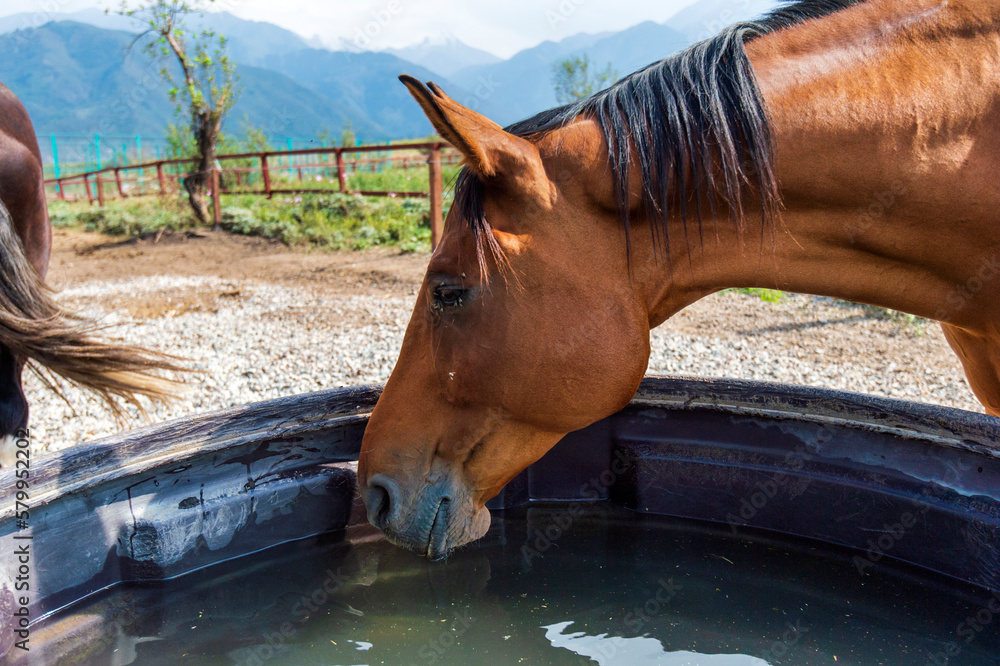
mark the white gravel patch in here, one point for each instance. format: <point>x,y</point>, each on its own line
<point>772,361</point>
<point>268,341</point>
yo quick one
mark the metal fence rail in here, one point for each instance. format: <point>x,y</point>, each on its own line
<point>257,173</point>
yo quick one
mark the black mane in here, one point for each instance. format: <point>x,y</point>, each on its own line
<point>695,121</point>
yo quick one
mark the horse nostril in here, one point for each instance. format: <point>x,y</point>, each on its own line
<point>381,499</point>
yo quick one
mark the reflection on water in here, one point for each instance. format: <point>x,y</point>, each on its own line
<point>608,587</point>
<point>641,651</point>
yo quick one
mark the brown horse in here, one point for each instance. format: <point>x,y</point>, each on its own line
<point>835,147</point>
<point>33,328</point>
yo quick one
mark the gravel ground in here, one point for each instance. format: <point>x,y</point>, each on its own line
<point>255,340</point>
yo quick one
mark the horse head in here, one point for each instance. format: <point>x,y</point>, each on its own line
<point>526,327</point>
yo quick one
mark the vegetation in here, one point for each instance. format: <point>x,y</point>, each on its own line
<point>182,144</point>
<point>208,88</point>
<point>575,79</point>
<point>329,221</point>
<point>347,137</point>
<point>766,295</point>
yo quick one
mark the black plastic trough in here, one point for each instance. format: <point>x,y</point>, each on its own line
<point>888,478</point>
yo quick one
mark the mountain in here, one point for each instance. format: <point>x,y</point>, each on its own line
<point>249,42</point>
<point>704,19</point>
<point>93,16</point>
<point>637,47</point>
<point>77,79</point>
<point>522,86</point>
<point>444,57</point>
<point>367,83</point>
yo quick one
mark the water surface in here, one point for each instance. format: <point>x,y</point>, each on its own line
<point>554,584</point>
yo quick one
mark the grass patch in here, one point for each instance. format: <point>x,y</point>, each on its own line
<point>396,179</point>
<point>333,221</point>
<point>897,317</point>
<point>330,221</point>
<point>130,217</point>
<point>766,295</point>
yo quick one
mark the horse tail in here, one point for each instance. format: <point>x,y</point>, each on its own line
<point>50,338</point>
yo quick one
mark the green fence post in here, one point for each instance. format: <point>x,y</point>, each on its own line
<point>55,160</point>
<point>97,152</point>
<point>138,154</point>
<point>55,155</point>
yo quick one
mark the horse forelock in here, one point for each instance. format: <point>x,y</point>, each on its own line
<point>695,124</point>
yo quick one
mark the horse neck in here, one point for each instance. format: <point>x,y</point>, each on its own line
<point>879,145</point>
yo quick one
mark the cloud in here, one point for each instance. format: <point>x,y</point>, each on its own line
<point>502,28</point>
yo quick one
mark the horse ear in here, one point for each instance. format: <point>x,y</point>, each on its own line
<point>488,150</point>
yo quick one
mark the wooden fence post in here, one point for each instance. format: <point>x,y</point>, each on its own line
<point>266,174</point>
<point>341,176</point>
<point>60,189</point>
<point>437,185</point>
<point>100,189</point>
<point>216,198</point>
<point>86,186</point>
<point>160,178</point>
<point>118,180</point>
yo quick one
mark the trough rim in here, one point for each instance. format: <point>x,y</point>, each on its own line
<point>177,440</point>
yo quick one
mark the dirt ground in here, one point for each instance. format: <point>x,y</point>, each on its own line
<point>80,257</point>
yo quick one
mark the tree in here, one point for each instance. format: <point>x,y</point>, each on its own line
<point>574,79</point>
<point>202,80</point>
<point>347,138</point>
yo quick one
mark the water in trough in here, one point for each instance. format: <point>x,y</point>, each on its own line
<point>550,584</point>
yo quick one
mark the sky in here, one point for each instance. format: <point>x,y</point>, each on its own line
<point>502,27</point>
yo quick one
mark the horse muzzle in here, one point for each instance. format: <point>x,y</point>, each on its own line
<point>433,519</point>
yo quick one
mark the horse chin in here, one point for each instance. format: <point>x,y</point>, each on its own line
<point>448,531</point>
<point>437,523</point>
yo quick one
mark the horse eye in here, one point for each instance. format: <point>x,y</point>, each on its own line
<point>448,297</point>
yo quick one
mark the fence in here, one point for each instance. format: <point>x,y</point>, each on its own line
<point>255,173</point>
<point>62,153</point>
<point>66,152</point>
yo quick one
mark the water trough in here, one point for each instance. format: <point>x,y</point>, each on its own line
<point>878,482</point>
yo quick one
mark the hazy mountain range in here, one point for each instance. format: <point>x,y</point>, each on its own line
<point>74,75</point>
